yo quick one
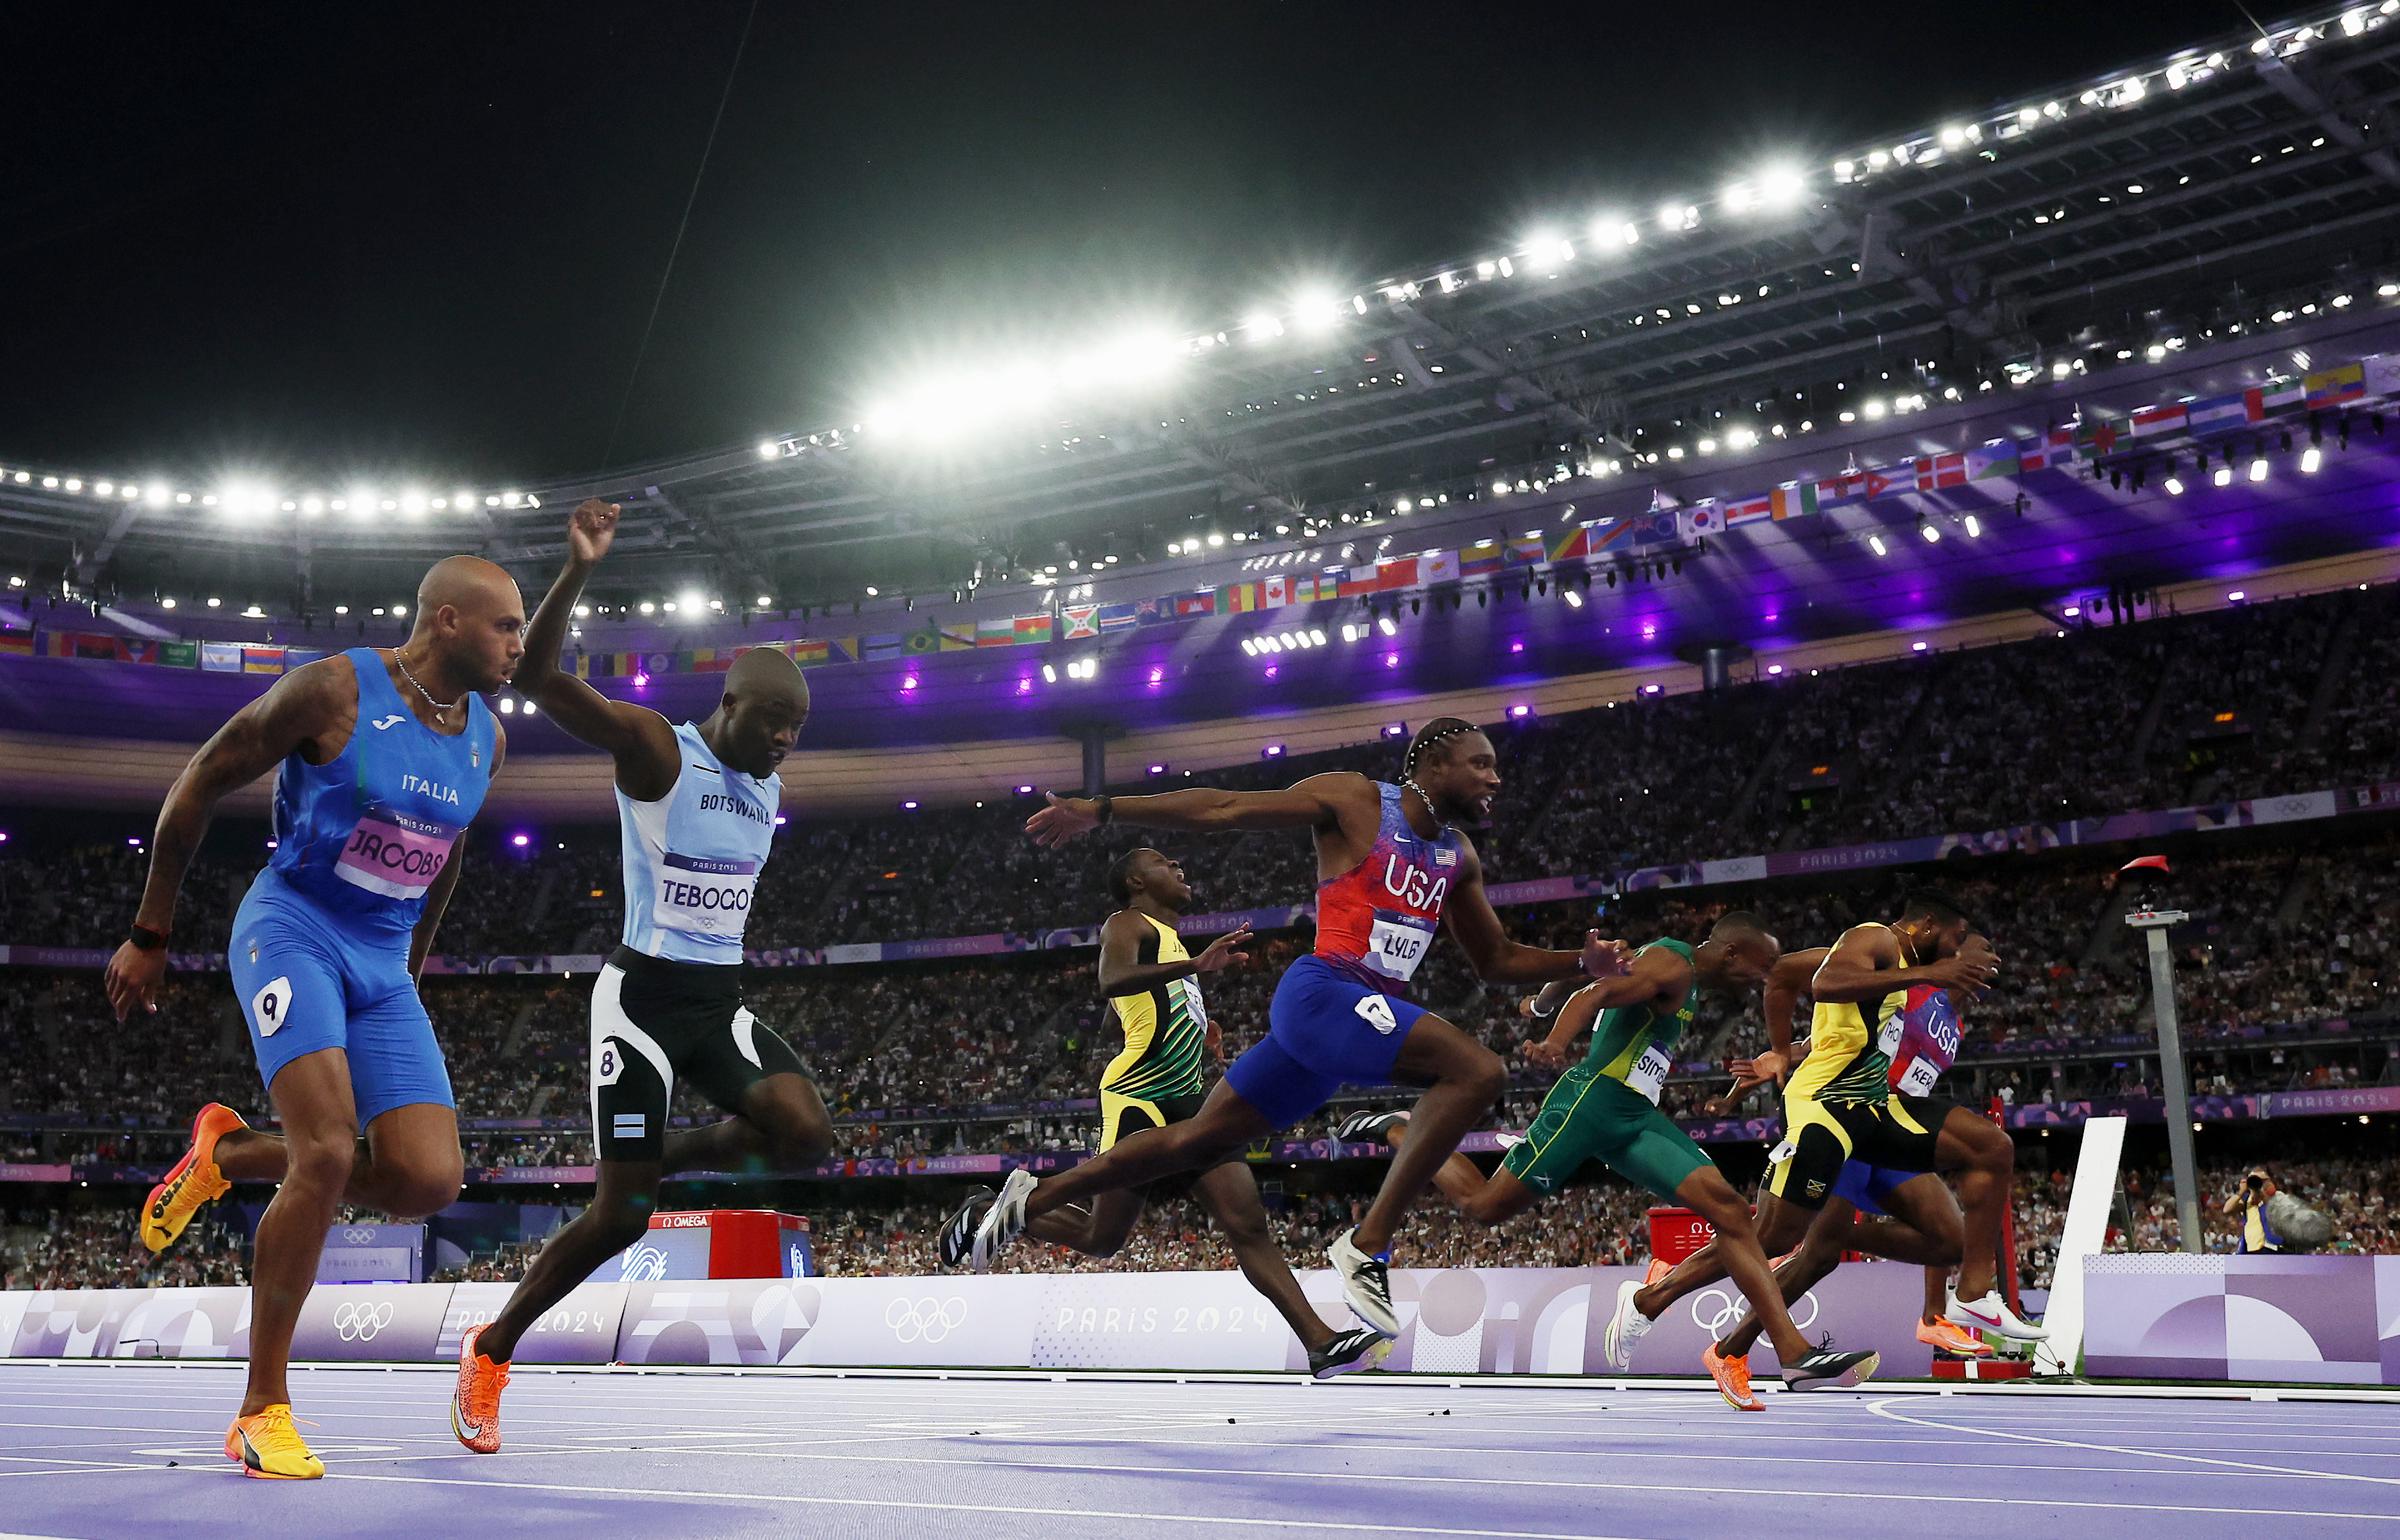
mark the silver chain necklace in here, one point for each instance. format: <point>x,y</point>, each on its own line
<point>440,706</point>
<point>1430,812</point>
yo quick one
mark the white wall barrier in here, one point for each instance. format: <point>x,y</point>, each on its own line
<point>1454,1321</point>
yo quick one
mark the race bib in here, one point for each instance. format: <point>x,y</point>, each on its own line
<point>1397,944</point>
<point>1649,1072</point>
<point>705,896</point>
<point>1918,1078</point>
<point>394,854</point>
<point>1895,1031</point>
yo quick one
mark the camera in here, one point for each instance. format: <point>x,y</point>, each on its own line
<point>2255,1182</point>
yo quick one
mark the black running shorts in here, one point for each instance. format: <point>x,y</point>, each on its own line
<point>1898,1134</point>
<point>653,1021</point>
<point>1124,1116</point>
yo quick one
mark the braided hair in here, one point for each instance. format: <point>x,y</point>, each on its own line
<point>1433,734</point>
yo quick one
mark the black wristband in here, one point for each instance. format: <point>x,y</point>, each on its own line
<point>144,938</point>
<point>1105,806</point>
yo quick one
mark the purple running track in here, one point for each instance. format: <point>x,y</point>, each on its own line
<point>105,1450</point>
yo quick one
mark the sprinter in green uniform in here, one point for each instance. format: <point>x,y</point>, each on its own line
<point>1605,1111</point>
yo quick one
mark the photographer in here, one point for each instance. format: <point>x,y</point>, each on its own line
<point>2256,1234</point>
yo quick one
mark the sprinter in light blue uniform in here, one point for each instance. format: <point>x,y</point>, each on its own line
<point>385,756</point>
<point>697,804</point>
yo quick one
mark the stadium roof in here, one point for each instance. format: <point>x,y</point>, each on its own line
<point>2120,221</point>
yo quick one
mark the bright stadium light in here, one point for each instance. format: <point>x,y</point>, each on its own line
<point>1263,327</point>
<point>156,494</point>
<point>1739,198</point>
<point>2258,469</point>
<point>1875,544</point>
<point>1781,186</point>
<point>768,449</point>
<point>2310,459</point>
<point>1974,527</point>
<point>1316,311</point>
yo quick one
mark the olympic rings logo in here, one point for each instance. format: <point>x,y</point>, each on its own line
<point>1720,1317</point>
<point>357,1237</point>
<point>354,1322</point>
<point>925,1320</point>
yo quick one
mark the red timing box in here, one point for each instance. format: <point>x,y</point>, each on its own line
<point>1675,1233</point>
<point>743,1242</point>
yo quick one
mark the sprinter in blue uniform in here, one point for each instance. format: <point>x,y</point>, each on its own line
<point>697,804</point>
<point>386,754</point>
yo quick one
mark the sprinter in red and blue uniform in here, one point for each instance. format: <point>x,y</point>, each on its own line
<point>1393,867</point>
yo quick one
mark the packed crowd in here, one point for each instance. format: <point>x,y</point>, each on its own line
<point>43,1248</point>
<point>2149,714</point>
<point>921,1058</point>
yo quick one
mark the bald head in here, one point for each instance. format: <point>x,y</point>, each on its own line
<point>764,706</point>
<point>468,584</point>
<point>764,671</point>
<point>471,618</point>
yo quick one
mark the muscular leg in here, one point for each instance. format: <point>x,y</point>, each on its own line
<point>1230,1194</point>
<point>1706,1193</point>
<point>619,1215</point>
<point>414,1154</point>
<point>394,1175</point>
<point>1819,1254</point>
<point>1780,1226</point>
<point>1465,1079</point>
<point>320,1143</point>
<point>1986,1164</point>
<point>1097,1231</point>
<point>1223,1124</point>
<point>1485,1200</point>
<point>782,1126</point>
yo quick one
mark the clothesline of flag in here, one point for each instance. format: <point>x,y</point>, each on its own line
<point>2092,438</point>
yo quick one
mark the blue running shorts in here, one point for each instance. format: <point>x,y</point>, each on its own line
<point>306,984</point>
<point>1868,1187</point>
<point>1325,1030</point>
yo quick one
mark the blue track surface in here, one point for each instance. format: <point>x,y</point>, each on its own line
<point>85,1452</point>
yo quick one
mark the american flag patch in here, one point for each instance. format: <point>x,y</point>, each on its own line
<point>1444,856</point>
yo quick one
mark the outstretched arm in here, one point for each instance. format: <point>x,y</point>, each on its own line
<point>1498,960</point>
<point>298,708</point>
<point>637,738</point>
<point>1316,803</point>
<point>1657,974</point>
<point>1122,971</point>
<point>1865,964</point>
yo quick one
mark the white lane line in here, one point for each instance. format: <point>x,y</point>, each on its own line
<point>752,1449</point>
<point>1352,1526</point>
<point>1883,1409</point>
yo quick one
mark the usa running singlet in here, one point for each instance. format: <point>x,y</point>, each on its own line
<point>1376,921</point>
<point>1921,1040</point>
<point>363,835</point>
<point>1165,1028</point>
<point>1635,1043</point>
<point>692,858</point>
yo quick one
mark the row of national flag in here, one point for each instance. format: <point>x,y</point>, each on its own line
<point>2373,378</point>
<point>2094,439</point>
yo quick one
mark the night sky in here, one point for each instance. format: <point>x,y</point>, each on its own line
<point>426,238</point>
